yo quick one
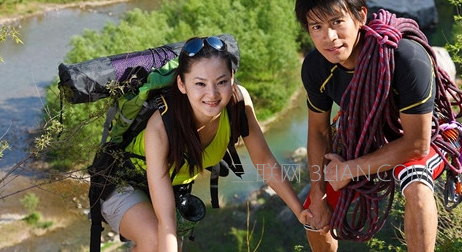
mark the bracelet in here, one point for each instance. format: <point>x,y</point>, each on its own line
<point>310,228</point>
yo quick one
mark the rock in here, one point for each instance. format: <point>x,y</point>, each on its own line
<point>445,61</point>
<point>424,12</point>
<point>286,215</point>
<point>299,155</point>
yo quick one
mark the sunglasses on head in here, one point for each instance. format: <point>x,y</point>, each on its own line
<point>194,46</point>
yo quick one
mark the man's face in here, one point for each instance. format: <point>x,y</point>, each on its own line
<point>336,36</point>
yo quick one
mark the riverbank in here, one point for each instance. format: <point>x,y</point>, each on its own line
<point>42,8</point>
<point>62,202</point>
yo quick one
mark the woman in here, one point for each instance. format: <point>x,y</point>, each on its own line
<point>201,128</point>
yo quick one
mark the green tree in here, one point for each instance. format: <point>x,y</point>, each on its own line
<point>455,45</point>
<point>266,32</point>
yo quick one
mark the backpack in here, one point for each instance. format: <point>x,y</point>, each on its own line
<point>135,76</point>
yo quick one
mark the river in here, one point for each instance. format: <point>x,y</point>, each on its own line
<point>30,67</point>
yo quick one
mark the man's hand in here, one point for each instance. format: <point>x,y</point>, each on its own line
<point>337,173</point>
<point>321,213</point>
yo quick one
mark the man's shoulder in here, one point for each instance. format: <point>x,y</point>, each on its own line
<point>314,57</point>
<point>409,50</point>
<point>315,61</point>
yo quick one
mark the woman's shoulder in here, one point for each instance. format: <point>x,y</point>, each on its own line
<point>156,125</point>
<point>245,95</point>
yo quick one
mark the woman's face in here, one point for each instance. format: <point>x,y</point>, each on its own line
<point>336,36</point>
<point>208,86</point>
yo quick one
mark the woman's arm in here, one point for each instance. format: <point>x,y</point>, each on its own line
<point>160,185</point>
<point>261,155</point>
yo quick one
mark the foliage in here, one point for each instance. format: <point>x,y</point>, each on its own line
<point>34,219</point>
<point>9,32</point>
<point>449,233</point>
<point>3,146</point>
<point>383,241</point>
<point>449,237</point>
<point>455,47</point>
<point>269,60</point>
<point>30,202</point>
<point>298,248</point>
<point>245,233</point>
<point>269,67</point>
<point>75,140</point>
<point>245,237</point>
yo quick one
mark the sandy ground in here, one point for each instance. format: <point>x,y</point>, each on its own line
<point>62,202</point>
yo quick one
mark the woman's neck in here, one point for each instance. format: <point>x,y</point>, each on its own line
<point>208,130</point>
<point>200,128</point>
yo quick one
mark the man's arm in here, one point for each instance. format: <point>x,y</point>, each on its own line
<point>319,144</point>
<point>413,145</point>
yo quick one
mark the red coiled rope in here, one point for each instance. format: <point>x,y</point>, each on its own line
<point>370,107</point>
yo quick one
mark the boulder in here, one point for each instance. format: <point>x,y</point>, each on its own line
<point>445,61</point>
<point>424,12</point>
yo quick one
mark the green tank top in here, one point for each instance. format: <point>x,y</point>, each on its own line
<point>212,155</point>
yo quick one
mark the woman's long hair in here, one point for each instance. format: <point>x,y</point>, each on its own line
<point>185,144</point>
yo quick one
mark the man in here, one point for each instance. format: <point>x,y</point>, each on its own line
<point>337,28</point>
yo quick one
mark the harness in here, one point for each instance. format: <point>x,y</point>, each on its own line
<point>369,108</point>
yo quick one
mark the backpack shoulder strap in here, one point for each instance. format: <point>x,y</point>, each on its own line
<point>231,157</point>
<point>96,219</point>
<point>231,160</point>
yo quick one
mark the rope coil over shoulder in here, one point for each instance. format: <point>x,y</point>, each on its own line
<point>370,106</point>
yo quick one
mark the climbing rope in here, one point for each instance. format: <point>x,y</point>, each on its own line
<point>361,125</point>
